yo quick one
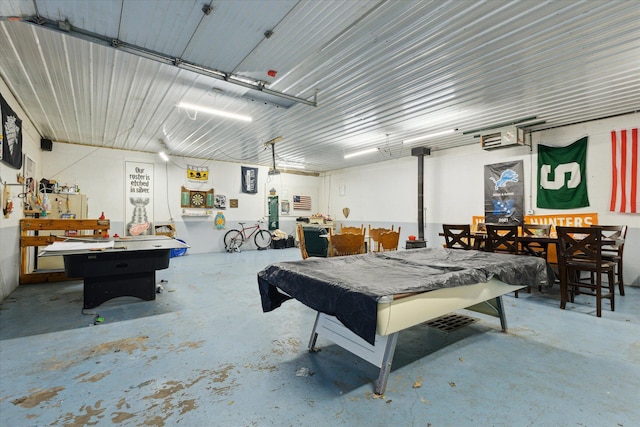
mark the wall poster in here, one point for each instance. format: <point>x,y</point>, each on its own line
<point>138,192</point>
<point>504,193</point>
<point>249,178</point>
<point>10,136</point>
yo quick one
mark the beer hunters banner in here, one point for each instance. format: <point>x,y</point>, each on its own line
<point>11,136</point>
<point>504,193</point>
<point>562,176</point>
<point>138,181</point>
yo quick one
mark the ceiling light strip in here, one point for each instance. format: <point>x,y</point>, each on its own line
<point>360,153</point>
<point>214,112</point>
<point>429,135</point>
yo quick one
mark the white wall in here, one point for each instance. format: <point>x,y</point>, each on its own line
<point>99,172</point>
<point>379,194</point>
<point>386,193</point>
<point>10,227</point>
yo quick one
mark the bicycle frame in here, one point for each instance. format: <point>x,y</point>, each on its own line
<point>237,237</point>
<point>255,229</point>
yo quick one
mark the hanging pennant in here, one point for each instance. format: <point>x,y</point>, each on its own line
<point>197,173</point>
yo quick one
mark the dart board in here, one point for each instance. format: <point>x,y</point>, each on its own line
<point>197,199</point>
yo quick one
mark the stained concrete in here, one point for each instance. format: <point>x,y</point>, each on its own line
<point>204,354</point>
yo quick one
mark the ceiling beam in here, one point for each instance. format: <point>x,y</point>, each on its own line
<point>259,86</point>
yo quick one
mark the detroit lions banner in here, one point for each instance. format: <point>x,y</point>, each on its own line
<point>504,193</point>
<point>562,176</point>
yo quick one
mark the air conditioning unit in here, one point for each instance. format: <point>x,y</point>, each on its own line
<point>502,138</point>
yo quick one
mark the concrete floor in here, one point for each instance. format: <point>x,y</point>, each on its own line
<point>204,354</point>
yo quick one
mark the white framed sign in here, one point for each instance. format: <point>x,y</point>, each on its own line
<point>138,202</point>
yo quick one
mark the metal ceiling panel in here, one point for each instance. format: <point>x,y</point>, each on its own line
<point>386,72</point>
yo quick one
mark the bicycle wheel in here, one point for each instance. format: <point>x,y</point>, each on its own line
<point>262,239</point>
<point>233,240</point>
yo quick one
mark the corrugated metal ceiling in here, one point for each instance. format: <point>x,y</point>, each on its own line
<point>385,72</point>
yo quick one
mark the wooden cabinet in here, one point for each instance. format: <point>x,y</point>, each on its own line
<point>36,232</point>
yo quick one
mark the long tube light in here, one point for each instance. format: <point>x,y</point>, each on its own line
<point>163,156</point>
<point>429,135</point>
<point>214,112</point>
<point>359,153</point>
<point>291,165</point>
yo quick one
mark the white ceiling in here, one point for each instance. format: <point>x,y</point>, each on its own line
<point>110,73</point>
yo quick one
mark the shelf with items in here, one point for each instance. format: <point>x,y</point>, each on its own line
<point>198,212</point>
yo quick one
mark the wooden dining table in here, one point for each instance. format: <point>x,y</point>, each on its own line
<point>480,238</point>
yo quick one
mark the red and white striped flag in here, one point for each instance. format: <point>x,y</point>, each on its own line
<point>625,195</point>
<point>302,203</point>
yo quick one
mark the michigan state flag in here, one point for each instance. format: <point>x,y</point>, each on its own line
<point>562,176</point>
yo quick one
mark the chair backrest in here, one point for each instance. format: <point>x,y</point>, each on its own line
<point>536,230</point>
<point>346,244</point>
<point>613,232</point>
<point>502,238</point>
<point>579,244</point>
<point>374,237</point>
<point>356,230</point>
<point>301,242</point>
<point>533,247</point>
<point>315,245</point>
<point>389,240</point>
<point>457,236</point>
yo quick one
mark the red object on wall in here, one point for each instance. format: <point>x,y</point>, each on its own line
<point>272,73</point>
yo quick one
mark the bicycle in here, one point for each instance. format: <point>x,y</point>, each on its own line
<point>234,238</point>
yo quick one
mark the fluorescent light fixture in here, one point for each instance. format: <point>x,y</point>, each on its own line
<point>163,156</point>
<point>429,135</point>
<point>359,153</point>
<point>214,112</point>
<point>291,165</point>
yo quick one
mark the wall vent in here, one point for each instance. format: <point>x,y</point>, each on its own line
<point>502,138</point>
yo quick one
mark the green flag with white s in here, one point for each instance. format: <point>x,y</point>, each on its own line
<point>562,176</point>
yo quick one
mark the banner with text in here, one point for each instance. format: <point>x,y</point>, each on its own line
<point>138,181</point>
<point>504,192</point>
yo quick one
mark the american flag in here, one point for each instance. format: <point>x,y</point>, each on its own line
<point>302,203</point>
<point>624,168</point>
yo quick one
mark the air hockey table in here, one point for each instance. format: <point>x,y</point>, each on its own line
<point>115,267</point>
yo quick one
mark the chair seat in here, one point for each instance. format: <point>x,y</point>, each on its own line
<point>611,257</point>
<point>590,265</point>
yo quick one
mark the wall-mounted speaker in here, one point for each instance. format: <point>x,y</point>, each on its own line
<point>46,144</point>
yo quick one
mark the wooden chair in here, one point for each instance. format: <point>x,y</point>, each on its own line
<point>346,244</point>
<point>457,236</point>
<point>311,242</point>
<point>535,248</point>
<point>356,230</point>
<point>614,252</point>
<point>389,240</point>
<point>503,238</point>
<point>580,250</point>
<point>539,249</point>
<point>303,247</point>
<point>481,232</point>
<point>374,237</point>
